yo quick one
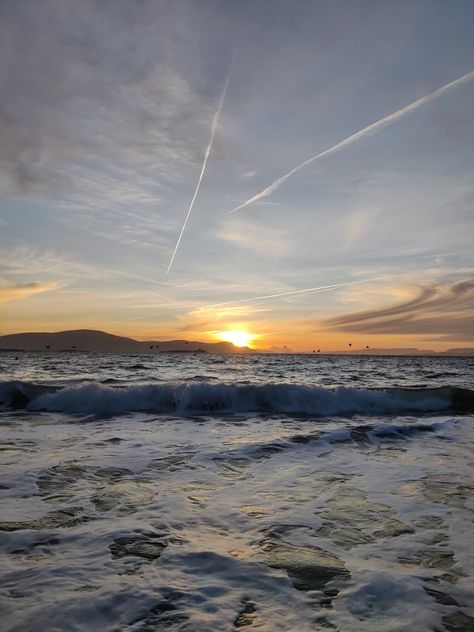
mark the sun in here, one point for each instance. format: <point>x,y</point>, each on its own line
<point>238,337</point>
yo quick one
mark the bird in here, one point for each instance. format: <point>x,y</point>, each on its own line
<point>48,346</point>
<point>350,344</point>
<point>367,347</point>
<point>319,350</point>
<point>151,346</point>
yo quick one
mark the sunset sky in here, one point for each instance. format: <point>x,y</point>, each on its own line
<point>106,114</point>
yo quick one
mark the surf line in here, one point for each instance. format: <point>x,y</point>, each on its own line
<point>366,131</point>
<point>215,121</point>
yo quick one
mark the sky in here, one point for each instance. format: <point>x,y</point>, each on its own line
<point>112,112</point>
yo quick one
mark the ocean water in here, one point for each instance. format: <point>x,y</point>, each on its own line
<point>183,492</point>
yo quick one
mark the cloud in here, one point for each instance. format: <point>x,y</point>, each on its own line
<point>445,310</point>
<point>258,238</point>
<point>247,175</point>
<point>32,261</point>
<point>357,224</point>
<point>99,105</point>
<point>24,290</point>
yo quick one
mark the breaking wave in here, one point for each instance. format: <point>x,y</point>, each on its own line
<point>210,398</point>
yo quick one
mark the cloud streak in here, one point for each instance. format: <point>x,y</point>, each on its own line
<point>24,290</point>
<point>215,121</point>
<point>436,309</point>
<point>353,138</point>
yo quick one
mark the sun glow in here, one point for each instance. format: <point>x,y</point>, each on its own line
<point>238,337</point>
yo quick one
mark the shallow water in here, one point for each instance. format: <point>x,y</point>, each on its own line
<point>207,519</point>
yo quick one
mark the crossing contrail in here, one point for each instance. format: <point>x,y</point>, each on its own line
<point>366,131</point>
<point>215,121</point>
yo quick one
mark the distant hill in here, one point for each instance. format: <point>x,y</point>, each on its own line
<point>91,340</point>
<point>409,351</point>
<point>103,342</point>
<point>458,351</point>
<point>467,352</point>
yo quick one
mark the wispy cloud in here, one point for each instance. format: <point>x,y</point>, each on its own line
<point>366,131</point>
<point>263,240</point>
<point>357,224</point>
<point>24,290</point>
<point>31,261</point>
<point>435,309</point>
<point>247,176</point>
<point>109,126</point>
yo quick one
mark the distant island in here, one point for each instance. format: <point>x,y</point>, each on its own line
<point>410,351</point>
<point>102,342</point>
<point>89,340</point>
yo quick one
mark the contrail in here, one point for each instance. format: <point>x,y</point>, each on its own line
<point>321,288</point>
<point>366,131</point>
<point>215,121</point>
<point>309,290</point>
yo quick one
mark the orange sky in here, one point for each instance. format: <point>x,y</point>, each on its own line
<point>295,322</point>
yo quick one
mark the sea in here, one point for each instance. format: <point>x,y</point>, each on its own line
<point>201,492</point>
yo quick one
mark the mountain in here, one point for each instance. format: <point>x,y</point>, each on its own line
<point>100,341</point>
<point>103,342</point>
<point>409,351</point>
<point>459,351</point>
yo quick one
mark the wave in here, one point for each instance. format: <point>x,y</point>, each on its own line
<point>210,398</point>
